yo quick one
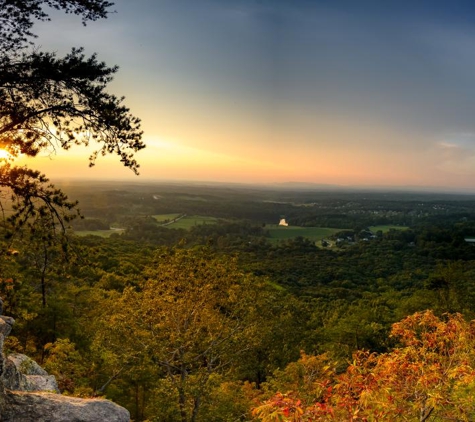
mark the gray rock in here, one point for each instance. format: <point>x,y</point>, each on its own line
<point>41,383</point>
<point>11,377</point>
<point>49,407</point>
<point>23,374</point>
<point>24,397</point>
<point>6,324</point>
<point>26,365</point>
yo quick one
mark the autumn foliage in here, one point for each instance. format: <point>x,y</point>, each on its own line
<point>429,376</point>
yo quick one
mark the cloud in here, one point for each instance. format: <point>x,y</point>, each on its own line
<point>460,140</point>
<point>457,153</point>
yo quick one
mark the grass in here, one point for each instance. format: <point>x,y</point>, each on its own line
<point>192,220</point>
<point>100,233</point>
<point>279,233</point>
<point>316,234</point>
<point>192,198</point>
<point>164,217</point>
<point>385,229</point>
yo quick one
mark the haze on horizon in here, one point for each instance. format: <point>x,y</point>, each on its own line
<point>348,93</point>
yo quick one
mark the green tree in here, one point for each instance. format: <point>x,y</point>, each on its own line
<point>49,102</point>
<point>192,318</point>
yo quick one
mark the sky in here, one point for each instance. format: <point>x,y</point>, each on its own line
<point>350,93</point>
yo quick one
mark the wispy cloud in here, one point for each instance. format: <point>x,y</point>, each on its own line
<point>457,153</point>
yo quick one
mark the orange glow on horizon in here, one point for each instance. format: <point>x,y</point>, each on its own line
<point>321,161</point>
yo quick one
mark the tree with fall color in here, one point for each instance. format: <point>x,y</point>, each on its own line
<point>429,376</point>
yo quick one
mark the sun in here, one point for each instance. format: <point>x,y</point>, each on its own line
<point>4,155</point>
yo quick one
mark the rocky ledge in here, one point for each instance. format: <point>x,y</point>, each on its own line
<point>29,394</point>
<point>23,406</point>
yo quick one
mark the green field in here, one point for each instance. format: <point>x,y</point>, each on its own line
<point>191,220</point>
<point>161,218</point>
<point>316,234</point>
<point>192,198</point>
<point>101,233</point>
<point>385,229</point>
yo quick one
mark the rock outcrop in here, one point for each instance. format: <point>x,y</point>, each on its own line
<point>29,394</point>
<point>23,374</point>
<point>23,406</point>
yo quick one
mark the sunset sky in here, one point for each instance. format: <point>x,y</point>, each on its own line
<point>366,93</point>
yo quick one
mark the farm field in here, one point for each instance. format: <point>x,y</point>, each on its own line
<point>385,229</point>
<point>316,234</point>
<point>191,220</point>
<point>161,218</point>
<point>101,233</point>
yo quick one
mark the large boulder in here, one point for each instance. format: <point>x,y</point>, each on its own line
<point>6,324</point>
<point>27,393</point>
<point>48,407</point>
<point>24,374</point>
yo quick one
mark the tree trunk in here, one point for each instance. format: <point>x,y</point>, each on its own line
<point>43,276</point>
<point>195,408</point>
<point>182,395</point>
<point>182,402</point>
<point>137,404</point>
<point>425,414</point>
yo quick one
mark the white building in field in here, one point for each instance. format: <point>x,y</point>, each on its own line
<point>283,222</point>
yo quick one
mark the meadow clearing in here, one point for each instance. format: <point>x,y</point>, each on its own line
<point>187,222</point>
<point>279,233</point>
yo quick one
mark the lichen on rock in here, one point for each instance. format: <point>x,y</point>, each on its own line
<point>23,374</point>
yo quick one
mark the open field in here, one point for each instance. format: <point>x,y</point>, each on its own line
<point>101,233</point>
<point>191,220</point>
<point>192,198</point>
<point>161,218</point>
<point>385,229</point>
<point>316,234</point>
<point>276,232</point>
